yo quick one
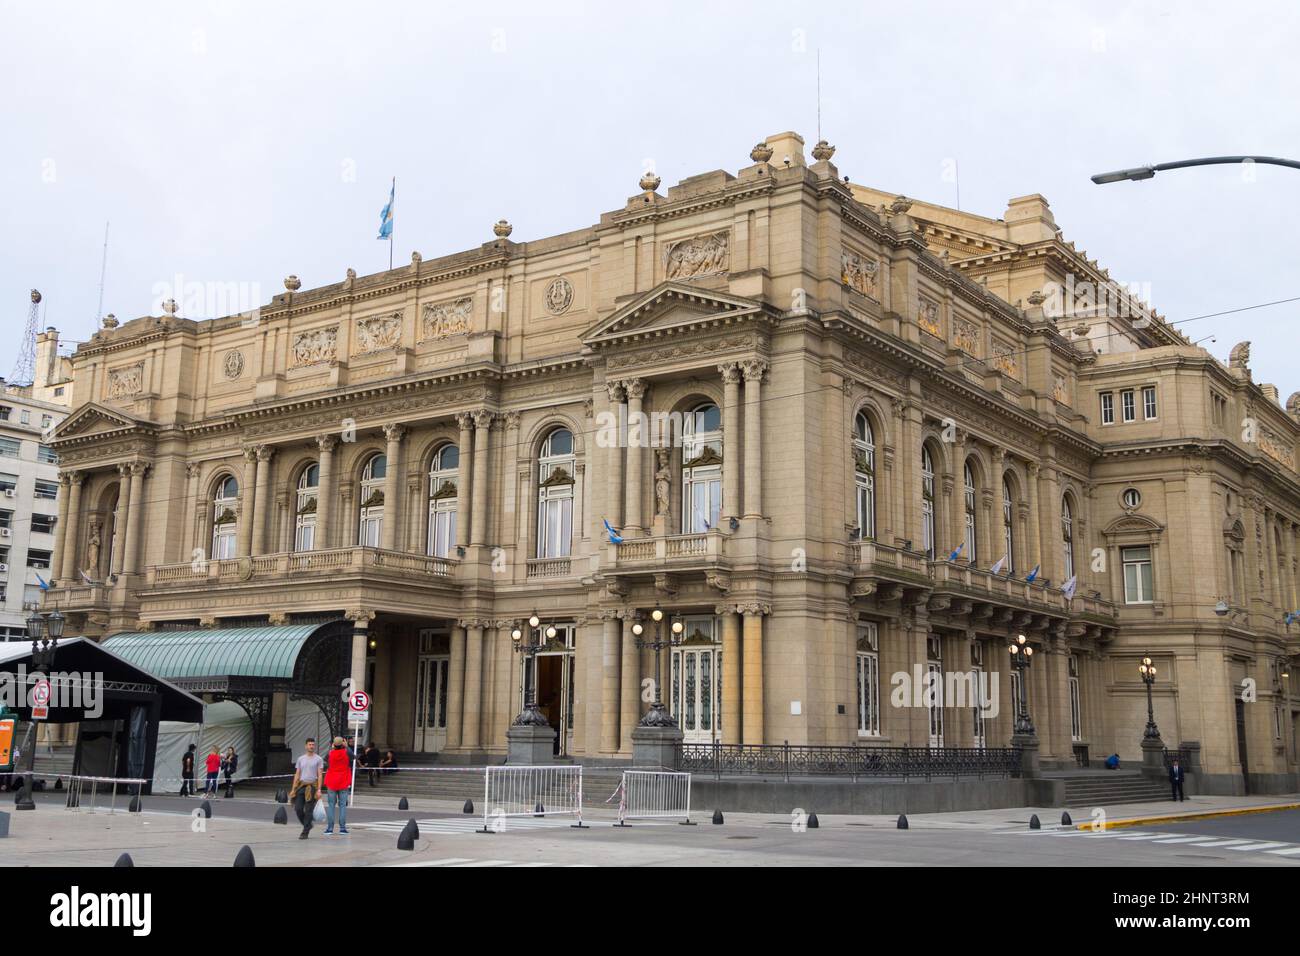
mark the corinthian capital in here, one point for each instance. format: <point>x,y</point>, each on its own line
<point>465,420</point>
<point>265,452</point>
<point>635,387</point>
<point>753,369</point>
<point>327,442</point>
<point>483,419</point>
<point>730,373</point>
<point>615,390</point>
<point>394,432</point>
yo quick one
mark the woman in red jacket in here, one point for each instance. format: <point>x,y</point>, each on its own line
<point>338,780</point>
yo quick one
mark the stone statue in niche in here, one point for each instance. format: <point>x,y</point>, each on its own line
<point>663,482</point>
<point>93,546</point>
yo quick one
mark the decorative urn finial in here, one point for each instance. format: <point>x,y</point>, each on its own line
<point>292,283</point>
<point>650,182</point>
<point>900,205</point>
<point>110,321</point>
<point>823,151</point>
<point>503,229</point>
<point>761,153</point>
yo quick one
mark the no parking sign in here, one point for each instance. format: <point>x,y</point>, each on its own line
<point>41,700</point>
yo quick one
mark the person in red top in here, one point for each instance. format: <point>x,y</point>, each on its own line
<point>338,781</point>
<point>214,768</point>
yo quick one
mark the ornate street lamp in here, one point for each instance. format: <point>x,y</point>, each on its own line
<point>45,631</point>
<point>1148,671</point>
<point>658,715</point>
<point>1021,653</point>
<point>530,716</point>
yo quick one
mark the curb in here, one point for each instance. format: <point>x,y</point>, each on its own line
<point>1204,815</point>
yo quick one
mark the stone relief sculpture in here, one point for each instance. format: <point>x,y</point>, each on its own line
<point>966,336</point>
<point>378,332</point>
<point>858,272</point>
<point>927,316</point>
<point>663,482</point>
<point>1004,359</point>
<point>234,364</point>
<point>1059,393</point>
<point>123,382</point>
<point>1239,357</point>
<point>442,319</point>
<point>559,296</point>
<point>697,256</point>
<point>316,346</point>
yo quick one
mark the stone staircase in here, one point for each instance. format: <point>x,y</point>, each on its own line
<point>1110,787</point>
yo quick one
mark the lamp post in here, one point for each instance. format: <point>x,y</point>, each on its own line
<point>45,631</point>
<point>1149,172</point>
<point>658,715</point>
<point>530,716</point>
<point>1148,671</point>
<point>1021,653</point>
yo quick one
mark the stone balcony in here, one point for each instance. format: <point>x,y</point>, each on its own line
<point>301,564</point>
<point>890,571</point>
<point>672,552</point>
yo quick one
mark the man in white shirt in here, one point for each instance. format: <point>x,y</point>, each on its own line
<point>305,791</point>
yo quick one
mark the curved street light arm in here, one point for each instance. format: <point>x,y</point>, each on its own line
<point>1147,172</point>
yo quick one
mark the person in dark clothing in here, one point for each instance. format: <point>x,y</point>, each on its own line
<point>1176,777</point>
<point>388,764</point>
<point>371,761</point>
<point>187,772</point>
<point>229,764</point>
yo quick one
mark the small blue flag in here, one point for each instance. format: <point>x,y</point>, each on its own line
<point>614,536</point>
<point>386,217</point>
<point>953,556</point>
<point>1291,616</point>
<point>1070,585</point>
<point>44,585</point>
<point>1029,578</point>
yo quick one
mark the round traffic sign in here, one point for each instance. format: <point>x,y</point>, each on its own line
<point>41,693</point>
<point>359,700</point>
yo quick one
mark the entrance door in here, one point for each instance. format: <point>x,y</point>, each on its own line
<point>554,676</point>
<point>431,703</point>
<point>696,693</point>
<point>1241,742</point>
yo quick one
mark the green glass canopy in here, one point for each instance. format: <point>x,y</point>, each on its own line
<point>269,651</point>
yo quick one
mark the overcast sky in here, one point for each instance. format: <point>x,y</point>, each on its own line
<point>238,143</point>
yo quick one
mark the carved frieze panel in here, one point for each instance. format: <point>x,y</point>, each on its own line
<point>315,347</point>
<point>1274,447</point>
<point>691,349</point>
<point>558,296</point>
<point>1060,391</point>
<point>1005,360</point>
<point>377,332</point>
<point>927,316</point>
<point>698,256</point>
<point>859,272</point>
<point>443,319</point>
<point>233,365</point>
<point>125,382</point>
<point>966,336</point>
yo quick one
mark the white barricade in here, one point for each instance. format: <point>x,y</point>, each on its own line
<point>530,792</point>
<point>650,794</point>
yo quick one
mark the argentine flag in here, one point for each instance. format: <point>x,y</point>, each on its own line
<point>998,565</point>
<point>1068,588</point>
<point>614,536</point>
<point>953,556</point>
<point>386,217</point>
<point>1029,578</point>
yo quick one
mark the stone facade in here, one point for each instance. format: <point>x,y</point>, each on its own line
<point>793,398</point>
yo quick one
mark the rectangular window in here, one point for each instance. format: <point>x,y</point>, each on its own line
<point>1137,575</point>
<point>8,482</point>
<point>45,453</point>
<point>868,682</point>
<point>1076,705</point>
<point>5,412</point>
<point>1149,403</point>
<point>31,595</point>
<point>1107,408</point>
<point>10,447</point>
<point>46,421</point>
<point>58,392</point>
<point>6,519</point>
<point>25,417</point>
<point>38,559</point>
<point>43,524</point>
<point>1127,405</point>
<point>47,490</point>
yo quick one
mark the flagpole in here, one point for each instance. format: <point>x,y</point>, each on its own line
<point>391,231</point>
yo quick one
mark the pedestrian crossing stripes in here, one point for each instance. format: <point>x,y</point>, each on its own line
<point>449,825</point>
<point>460,861</point>
<point>1203,841</point>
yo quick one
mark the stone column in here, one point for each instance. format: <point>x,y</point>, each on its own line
<point>609,692</point>
<point>262,510</point>
<point>325,494</point>
<point>478,534</point>
<point>614,483</point>
<point>193,521</point>
<point>116,563</point>
<point>752,693</point>
<point>630,680</point>
<point>1273,587</point>
<point>70,515</point>
<point>999,525</point>
<point>456,685</point>
<point>248,503</point>
<point>1034,544</point>
<point>392,486</point>
<point>135,519</point>
<point>360,618</point>
<point>958,502</point>
<point>473,698</point>
<point>731,679</point>
<point>731,504</point>
<point>466,422</point>
<point>636,440</point>
<point>753,370</point>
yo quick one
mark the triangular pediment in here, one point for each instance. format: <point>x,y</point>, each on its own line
<point>93,418</point>
<point>668,305</point>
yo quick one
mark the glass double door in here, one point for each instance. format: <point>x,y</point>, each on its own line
<point>431,703</point>
<point>695,692</point>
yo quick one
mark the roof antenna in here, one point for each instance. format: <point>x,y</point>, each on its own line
<point>819,94</point>
<point>103,267</point>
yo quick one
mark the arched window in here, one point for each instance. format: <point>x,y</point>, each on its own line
<point>1067,537</point>
<point>969,478</point>
<point>371,522</point>
<point>1008,527</point>
<point>444,477</point>
<point>864,475</point>
<point>304,522</point>
<point>927,502</point>
<point>701,469</point>
<point>225,525</point>
<point>555,495</point>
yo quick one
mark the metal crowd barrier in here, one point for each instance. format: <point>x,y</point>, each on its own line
<point>530,792</point>
<point>77,791</point>
<point>654,794</point>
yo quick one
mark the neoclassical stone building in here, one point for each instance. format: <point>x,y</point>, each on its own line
<point>794,398</point>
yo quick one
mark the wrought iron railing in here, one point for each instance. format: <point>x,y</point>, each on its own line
<point>788,760</point>
<point>1081,755</point>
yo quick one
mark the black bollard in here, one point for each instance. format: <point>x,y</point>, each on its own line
<point>206,807</point>
<point>124,862</point>
<point>403,805</point>
<point>1065,820</point>
<point>1034,824</point>
<point>244,858</point>
<point>902,821</point>
<point>406,839</point>
<point>230,790</point>
<point>281,815</point>
<point>539,810</point>
<point>281,796</point>
<point>812,821</point>
<point>469,807</point>
<point>413,827</point>
<point>717,817</point>
<point>135,805</point>
<point>58,783</point>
